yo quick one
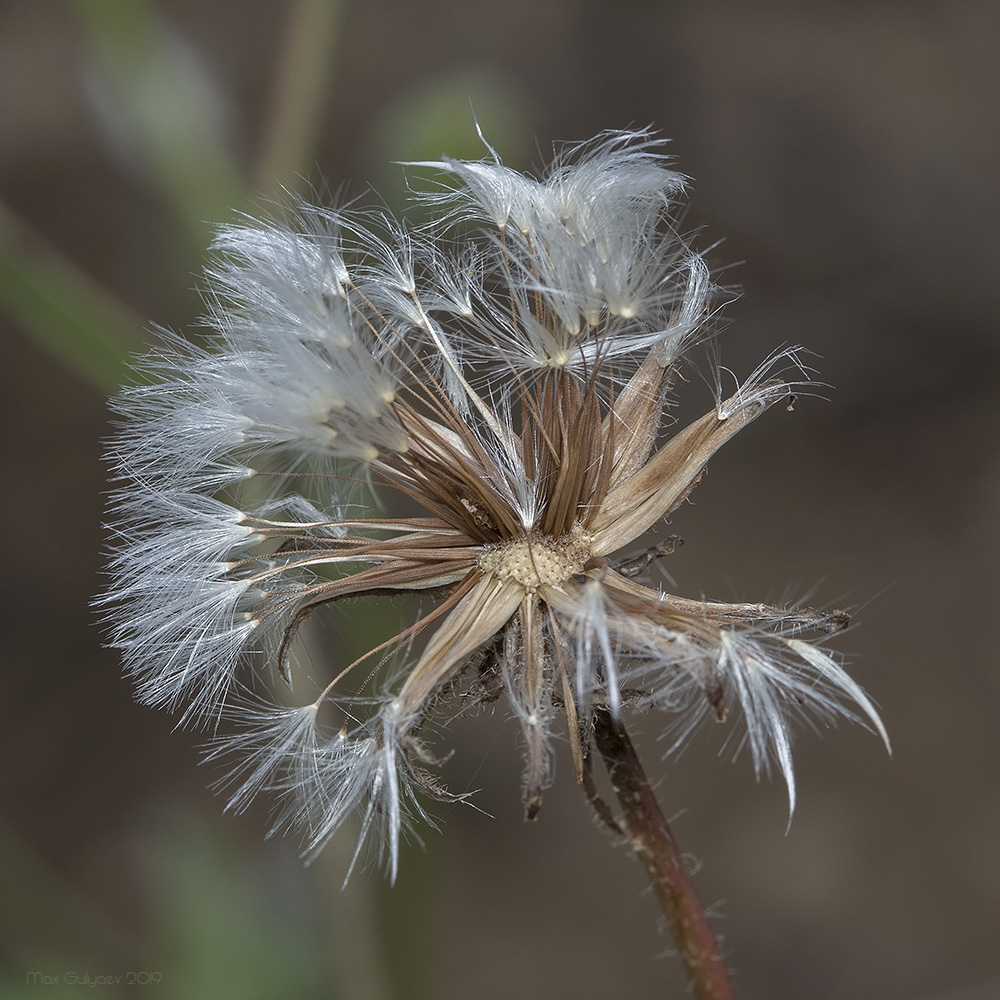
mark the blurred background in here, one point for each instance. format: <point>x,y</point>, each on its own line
<point>847,154</point>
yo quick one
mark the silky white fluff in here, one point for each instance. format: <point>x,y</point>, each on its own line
<point>594,241</point>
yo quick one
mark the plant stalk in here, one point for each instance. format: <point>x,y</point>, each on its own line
<point>645,828</point>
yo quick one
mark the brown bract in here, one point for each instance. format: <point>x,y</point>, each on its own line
<point>601,479</point>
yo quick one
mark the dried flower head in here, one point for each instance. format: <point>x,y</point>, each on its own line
<point>505,372</point>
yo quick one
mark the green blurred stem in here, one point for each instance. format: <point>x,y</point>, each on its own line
<point>645,828</point>
<point>165,102</point>
<point>62,308</point>
<point>300,93</point>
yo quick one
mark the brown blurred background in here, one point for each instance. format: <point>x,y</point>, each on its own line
<point>848,154</point>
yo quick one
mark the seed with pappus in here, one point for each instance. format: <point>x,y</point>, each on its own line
<point>502,375</point>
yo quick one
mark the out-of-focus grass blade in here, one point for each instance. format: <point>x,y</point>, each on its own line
<point>164,104</point>
<point>299,94</point>
<point>227,925</point>
<point>64,310</point>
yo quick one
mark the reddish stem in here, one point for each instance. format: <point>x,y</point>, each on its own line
<point>646,829</point>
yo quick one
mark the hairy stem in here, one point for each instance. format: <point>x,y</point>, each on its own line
<point>645,828</point>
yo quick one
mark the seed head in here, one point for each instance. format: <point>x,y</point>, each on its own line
<point>505,372</point>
